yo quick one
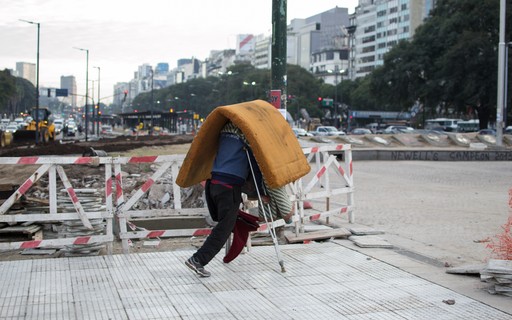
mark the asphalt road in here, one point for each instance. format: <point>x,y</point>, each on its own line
<point>445,211</point>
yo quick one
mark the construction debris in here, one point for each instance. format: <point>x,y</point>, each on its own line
<point>370,242</point>
<point>318,235</point>
<point>499,274</point>
<point>32,232</point>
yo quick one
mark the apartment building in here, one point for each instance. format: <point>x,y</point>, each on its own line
<point>26,70</point>
<point>377,26</point>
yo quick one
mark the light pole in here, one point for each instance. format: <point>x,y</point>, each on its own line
<point>86,89</point>
<point>37,78</point>
<point>96,116</point>
<point>338,123</point>
<point>252,84</point>
<point>152,103</point>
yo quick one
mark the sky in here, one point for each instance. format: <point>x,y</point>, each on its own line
<point>122,35</point>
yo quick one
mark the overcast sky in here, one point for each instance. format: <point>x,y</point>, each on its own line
<point>121,35</point>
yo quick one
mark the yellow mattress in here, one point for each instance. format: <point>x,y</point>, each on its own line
<point>271,138</point>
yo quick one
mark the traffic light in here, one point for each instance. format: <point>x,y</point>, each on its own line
<point>319,101</point>
<point>171,110</point>
<point>125,94</point>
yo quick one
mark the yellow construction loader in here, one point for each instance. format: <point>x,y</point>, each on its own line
<point>46,128</point>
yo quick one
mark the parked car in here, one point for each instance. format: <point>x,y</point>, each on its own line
<point>398,129</point>
<point>299,132</point>
<point>490,132</point>
<point>20,122</point>
<point>361,131</point>
<point>58,123</point>
<point>508,130</point>
<point>70,129</point>
<point>4,123</point>
<point>11,128</point>
<point>106,129</point>
<point>327,131</point>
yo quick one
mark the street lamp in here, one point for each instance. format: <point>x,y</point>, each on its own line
<point>152,102</point>
<point>227,75</point>
<point>86,89</point>
<point>37,77</point>
<point>252,84</point>
<point>341,73</point>
<point>96,116</point>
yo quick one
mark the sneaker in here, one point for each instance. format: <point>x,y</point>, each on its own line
<point>195,266</point>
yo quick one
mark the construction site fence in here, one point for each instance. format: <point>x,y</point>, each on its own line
<point>329,185</point>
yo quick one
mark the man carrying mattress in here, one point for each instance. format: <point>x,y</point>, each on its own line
<point>220,153</point>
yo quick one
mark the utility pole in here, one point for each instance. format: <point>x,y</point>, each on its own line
<point>98,108</point>
<point>152,102</point>
<point>37,78</point>
<point>502,85</point>
<point>278,68</point>
<point>86,90</point>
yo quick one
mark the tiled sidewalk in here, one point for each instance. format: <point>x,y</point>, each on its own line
<point>322,281</point>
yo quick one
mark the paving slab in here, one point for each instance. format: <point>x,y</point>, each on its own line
<point>323,281</point>
<point>370,241</point>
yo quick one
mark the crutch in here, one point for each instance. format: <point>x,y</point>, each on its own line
<point>270,224</point>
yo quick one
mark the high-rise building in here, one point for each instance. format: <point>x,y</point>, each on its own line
<point>69,82</point>
<point>26,70</point>
<point>378,25</point>
<point>262,52</point>
<point>313,35</point>
<point>245,47</point>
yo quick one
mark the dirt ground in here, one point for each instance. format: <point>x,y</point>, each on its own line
<point>113,146</point>
<point>119,146</point>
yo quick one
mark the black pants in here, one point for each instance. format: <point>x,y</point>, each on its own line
<point>223,203</point>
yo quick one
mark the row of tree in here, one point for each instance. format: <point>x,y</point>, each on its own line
<point>16,94</point>
<point>449,67</point>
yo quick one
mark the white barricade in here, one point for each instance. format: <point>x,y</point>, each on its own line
<point>329,179</point>
<point>53,166</point>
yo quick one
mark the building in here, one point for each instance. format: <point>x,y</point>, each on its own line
<point>69,83</point>
<point>378,25</point>
<point>26,71</point>
<point>245,45</point>
<point>262,52</point>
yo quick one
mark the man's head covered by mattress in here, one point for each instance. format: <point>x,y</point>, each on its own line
<point>272,141</point>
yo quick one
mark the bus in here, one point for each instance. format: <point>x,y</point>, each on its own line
<point>449,125</point>
<point>468,126</point>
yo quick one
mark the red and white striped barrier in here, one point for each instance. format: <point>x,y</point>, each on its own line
<point>52,166</point>
<point>329,180</point>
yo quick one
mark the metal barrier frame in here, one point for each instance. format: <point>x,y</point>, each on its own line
<point>320,186</point>
<point>53,166</point>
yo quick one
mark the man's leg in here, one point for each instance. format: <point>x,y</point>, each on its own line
<point>227,201</point>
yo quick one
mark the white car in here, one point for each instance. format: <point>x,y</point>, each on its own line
<point>11,128</point>
<point>328,131</point>
<point>20,122</point>
<point>59,124</point>
<point>299,132</point>
<point>106,129</point>
<point>398,129</point>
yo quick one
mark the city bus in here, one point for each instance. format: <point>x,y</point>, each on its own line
<point>449,125</point>
<point>468,126</point>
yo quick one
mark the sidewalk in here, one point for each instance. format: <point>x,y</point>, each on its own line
<point>322,281</point>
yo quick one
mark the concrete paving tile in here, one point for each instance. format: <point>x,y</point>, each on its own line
<point>324,281</point>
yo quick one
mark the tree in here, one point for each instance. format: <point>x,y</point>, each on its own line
<point>450,63</point>
<point>7,90</point>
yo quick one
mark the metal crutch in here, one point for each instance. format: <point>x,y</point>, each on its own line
<point>270,225</point>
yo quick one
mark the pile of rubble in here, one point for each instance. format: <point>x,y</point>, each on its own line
<point>499,274</point>
<point>89,189</point>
